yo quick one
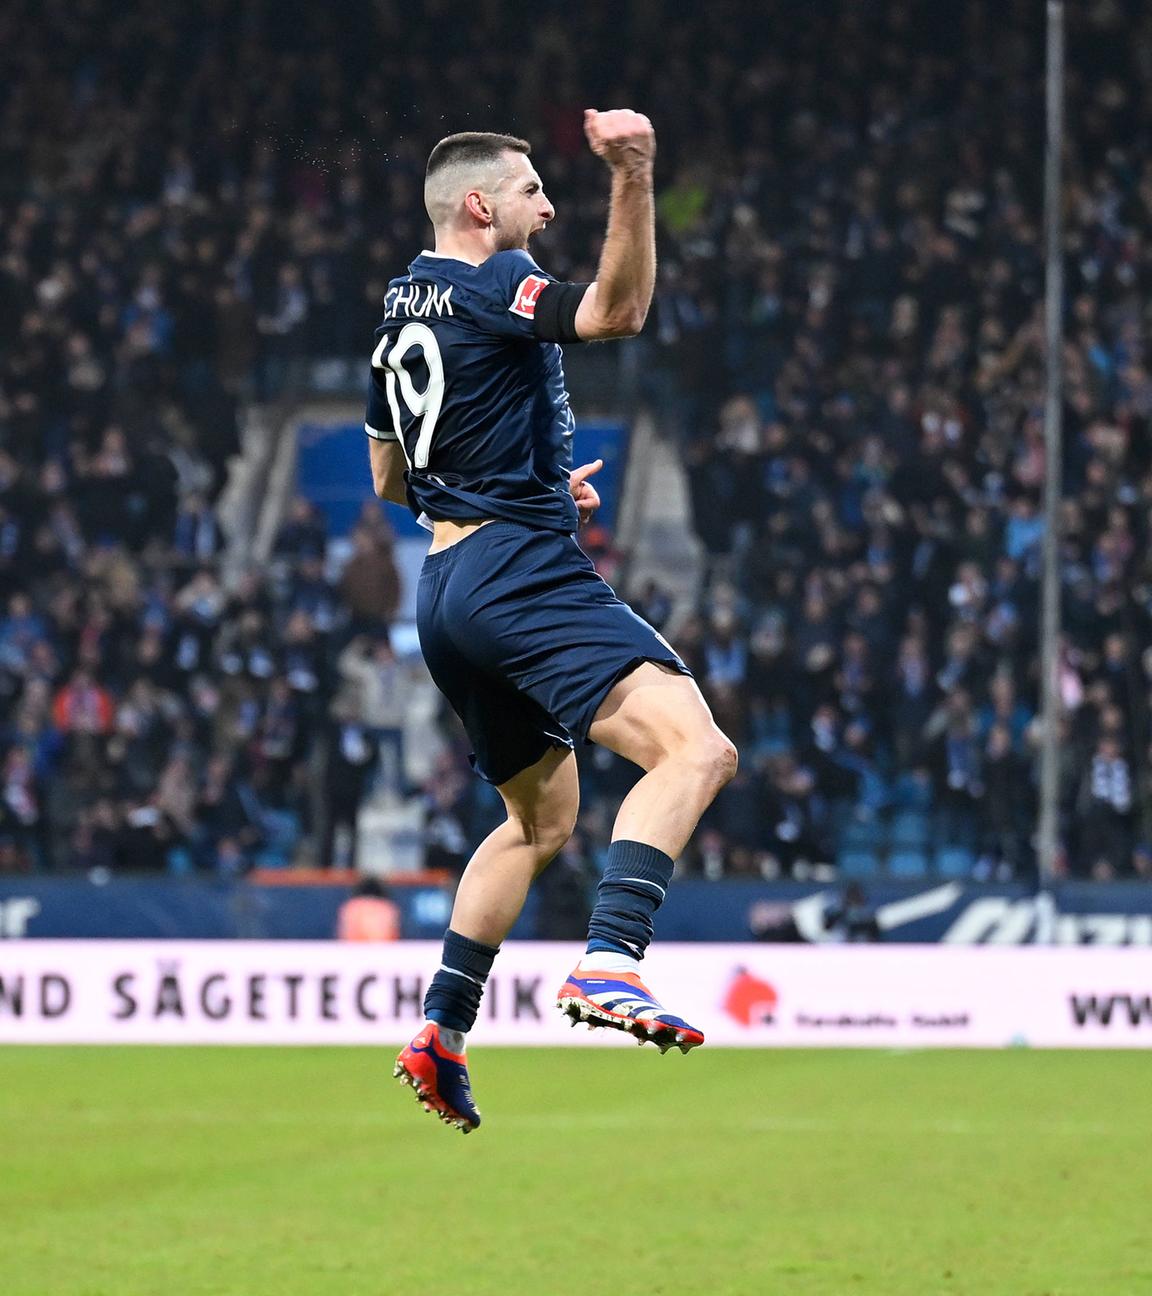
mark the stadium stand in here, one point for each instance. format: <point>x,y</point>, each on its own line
<point>198,210</point>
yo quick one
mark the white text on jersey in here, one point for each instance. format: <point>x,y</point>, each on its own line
<point>418,300</point>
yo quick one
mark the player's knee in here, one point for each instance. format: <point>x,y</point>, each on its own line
<point>546,836</point>
<point>717,760</point>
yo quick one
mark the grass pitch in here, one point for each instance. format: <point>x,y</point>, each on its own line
<point>308,1172</point>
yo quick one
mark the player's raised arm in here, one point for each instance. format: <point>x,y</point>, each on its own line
<point>616,305</point>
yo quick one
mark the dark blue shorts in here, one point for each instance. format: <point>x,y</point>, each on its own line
<point>526,640</point>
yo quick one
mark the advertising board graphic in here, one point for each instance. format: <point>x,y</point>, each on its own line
<point>286,992</point>
<point>42,907</point>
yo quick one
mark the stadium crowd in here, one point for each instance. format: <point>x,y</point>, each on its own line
<point>868,490</point>
<point>845,345</point>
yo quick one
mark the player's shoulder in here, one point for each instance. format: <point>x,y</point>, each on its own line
<point>506,271</point>
<point>514,281</point>
<point>511,263</point>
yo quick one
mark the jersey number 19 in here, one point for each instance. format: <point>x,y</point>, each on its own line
<point>423,405</point>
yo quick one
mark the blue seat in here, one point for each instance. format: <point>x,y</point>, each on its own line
<point>912,791</point>
<point>862,834</point>
<point>858,863</point>
<point>271,858</point>
<point>180,861</point>
<point>955,861</point>
<point>908,864</point>
<point>910,828</point>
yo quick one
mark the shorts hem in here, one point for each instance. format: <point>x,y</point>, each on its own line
<point>588,716</point>
<point>550,743</point>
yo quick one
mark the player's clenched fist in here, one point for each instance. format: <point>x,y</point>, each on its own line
<point>621,137</point>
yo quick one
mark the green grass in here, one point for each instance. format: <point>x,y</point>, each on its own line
<point>303,1172</point>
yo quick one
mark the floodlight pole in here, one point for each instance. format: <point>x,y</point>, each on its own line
<point>1049,834</point>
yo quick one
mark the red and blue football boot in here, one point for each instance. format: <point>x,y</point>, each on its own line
<point>439,1078</point>
<point>622,1001</point>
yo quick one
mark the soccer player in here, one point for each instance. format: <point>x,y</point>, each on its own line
<point>470,426</point>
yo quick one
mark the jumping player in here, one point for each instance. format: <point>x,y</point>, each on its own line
<point>470,426</point>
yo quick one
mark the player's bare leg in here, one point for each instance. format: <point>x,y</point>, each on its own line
<point>542,802</point>
<point>660,721</point>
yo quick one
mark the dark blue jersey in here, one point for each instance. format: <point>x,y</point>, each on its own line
<point>475,398</point>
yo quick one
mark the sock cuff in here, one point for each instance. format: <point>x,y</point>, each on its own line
<point>465,942</point>
<point>468,957</point>
<point>633,887</point>
<point>453,997</point>
<point>639,860</point>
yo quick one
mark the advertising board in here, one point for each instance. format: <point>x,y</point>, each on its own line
<point>287,992</point>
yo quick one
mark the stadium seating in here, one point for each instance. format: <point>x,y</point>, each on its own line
<point>908,863</point>
<point>858,864</point>
<point>955,862</point>
<point>833,376</point>
<point>910,828</point>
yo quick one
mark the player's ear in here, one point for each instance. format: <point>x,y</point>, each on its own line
<point>476,204</point>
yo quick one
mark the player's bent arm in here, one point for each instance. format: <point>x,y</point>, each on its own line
<point>388,465</point>
<point>595,324</point>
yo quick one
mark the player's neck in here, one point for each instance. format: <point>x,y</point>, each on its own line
<point>472,246</point>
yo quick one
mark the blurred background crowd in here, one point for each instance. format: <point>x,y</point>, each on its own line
<point>844,348</point>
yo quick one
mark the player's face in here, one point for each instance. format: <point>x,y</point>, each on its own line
<point>521,207</point>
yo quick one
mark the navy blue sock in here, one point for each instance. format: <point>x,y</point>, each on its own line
<point>633,887</point>
<point>453,998</point>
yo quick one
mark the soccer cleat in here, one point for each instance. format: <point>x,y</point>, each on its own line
<point>439,1078</point>
<point>622,1001</point>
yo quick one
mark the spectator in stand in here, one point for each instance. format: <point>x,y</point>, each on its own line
<point>197,537</point>
<point>21,812</point>
<point>82,706</point>
<point>1010,802</point>
<point>228,827</point>
<point>445,816</point>
<point>564,891</point>
<point>376,680</point>
<point>369,583</point>
<point>1106,813</point>
<point>304,534</point>
<point>350,760</point>
<point>852,920</point>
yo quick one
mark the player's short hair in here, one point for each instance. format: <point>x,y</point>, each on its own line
<point>462,159</point>
<point>473,148</point>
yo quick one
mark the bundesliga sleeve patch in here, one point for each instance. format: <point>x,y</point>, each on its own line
<point>524,303</point>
